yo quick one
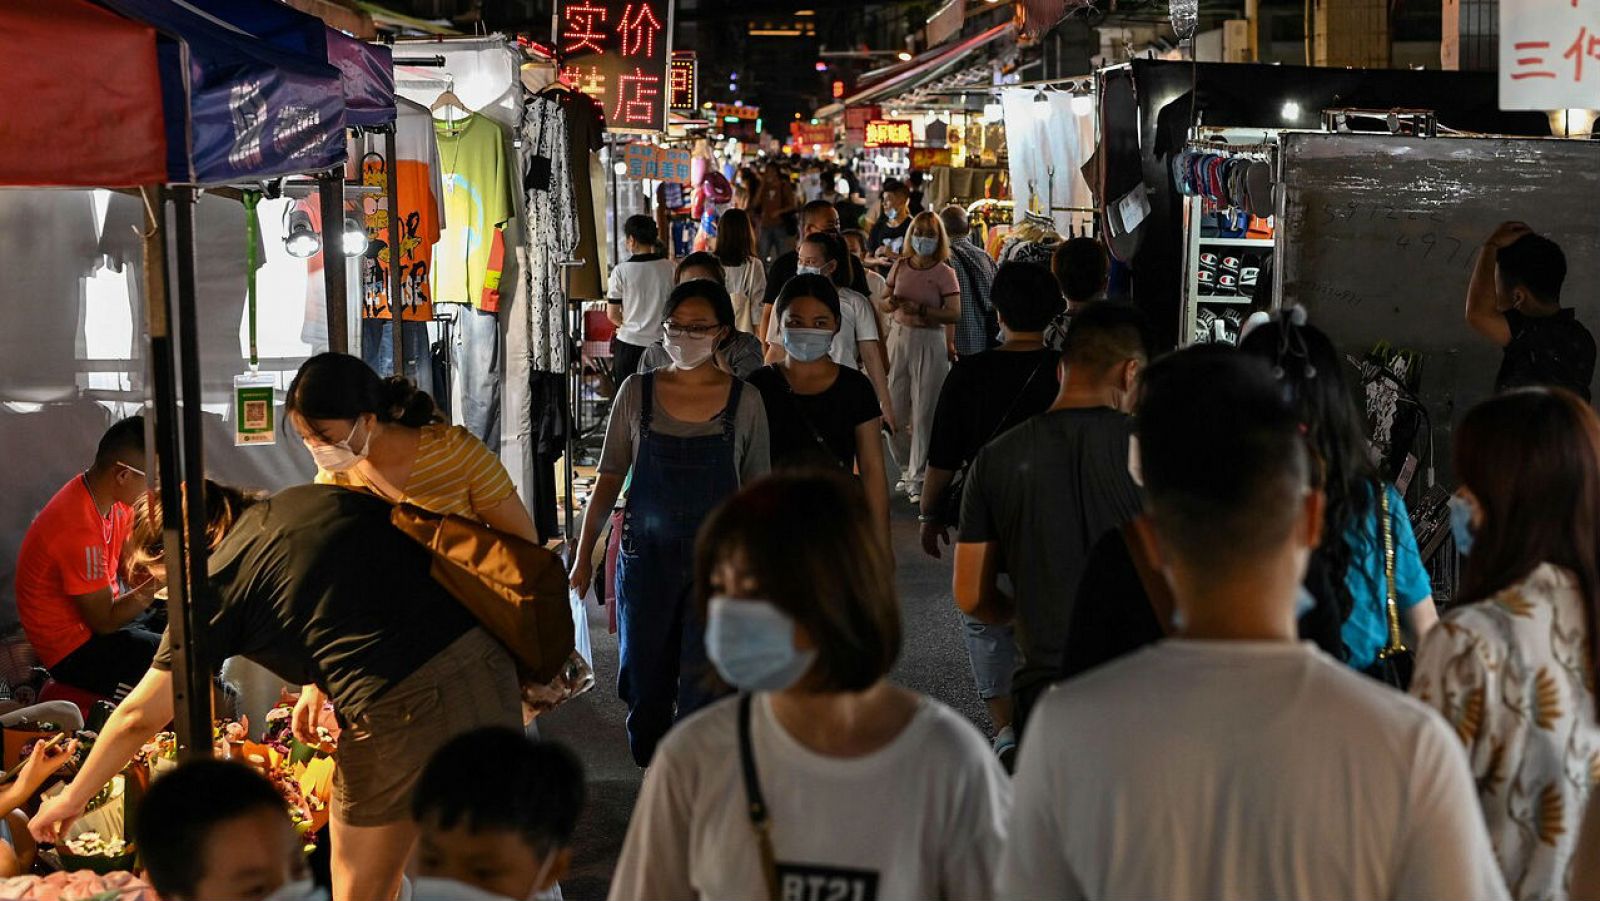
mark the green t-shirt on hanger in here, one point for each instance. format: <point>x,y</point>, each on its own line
<point>477,200</point>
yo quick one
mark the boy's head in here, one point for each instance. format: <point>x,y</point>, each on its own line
<point>1530,273</point>
<point>216,829</point>
<point>497,811</point>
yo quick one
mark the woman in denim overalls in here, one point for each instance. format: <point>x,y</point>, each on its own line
<point>684,438</point>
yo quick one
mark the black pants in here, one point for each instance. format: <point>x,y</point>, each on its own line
<point>109,665</point>
<point>625,359</point>
<point>1022,700</point>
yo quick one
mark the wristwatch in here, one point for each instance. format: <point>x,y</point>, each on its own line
<point>927,518</point>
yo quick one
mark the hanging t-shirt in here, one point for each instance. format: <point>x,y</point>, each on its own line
<point>923,817</point>
<point>477,202</point>
<point>421,214</point>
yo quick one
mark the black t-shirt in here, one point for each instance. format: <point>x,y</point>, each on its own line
<point>315,585</point>
<point>985,395</point>
<point>1553,351</point>
<point>893,235</point>
<point>815,429</point>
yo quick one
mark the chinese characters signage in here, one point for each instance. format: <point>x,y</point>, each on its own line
<point>685,80</point>
<point>893,132</point>
<point>660,163</point>
<point>617,52</point>
<point>808,136</point>
<point>1549,54</point>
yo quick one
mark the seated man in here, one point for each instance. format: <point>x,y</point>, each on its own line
<point>74,606</point>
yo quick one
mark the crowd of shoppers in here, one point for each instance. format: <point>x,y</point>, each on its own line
<point>1180,580</point>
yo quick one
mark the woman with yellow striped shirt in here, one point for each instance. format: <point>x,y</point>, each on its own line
<point>386,437</point>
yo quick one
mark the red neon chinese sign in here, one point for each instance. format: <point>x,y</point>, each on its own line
<point>618,52</point>
<point>889,133</point>
<point>685,80</point>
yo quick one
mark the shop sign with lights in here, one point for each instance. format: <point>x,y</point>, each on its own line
<point>619,53</point>
<point>685,80</point>
<point>888,133</point>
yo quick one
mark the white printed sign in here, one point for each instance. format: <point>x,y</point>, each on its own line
<point>1549,54</point>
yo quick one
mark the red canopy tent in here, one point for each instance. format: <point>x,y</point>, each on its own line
<point>64,124</point>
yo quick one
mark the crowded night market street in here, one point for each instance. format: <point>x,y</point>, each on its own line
<point>838,450</point>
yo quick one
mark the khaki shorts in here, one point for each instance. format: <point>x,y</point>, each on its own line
<point>470,684</point>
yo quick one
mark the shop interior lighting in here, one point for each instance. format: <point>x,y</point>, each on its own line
<point>1572,123</point>
<point>620,167</point>
<point>903,56</point>
<point>300,239</point>
<point>1291,111</point>
<point>354,239</point>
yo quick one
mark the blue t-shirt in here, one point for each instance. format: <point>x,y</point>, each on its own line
<point>1367,629</point>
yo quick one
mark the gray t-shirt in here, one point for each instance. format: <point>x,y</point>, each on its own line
<point>1045,492</point>
<point>751,451</point>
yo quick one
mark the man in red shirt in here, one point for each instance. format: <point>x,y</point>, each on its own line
<point>74,605</point>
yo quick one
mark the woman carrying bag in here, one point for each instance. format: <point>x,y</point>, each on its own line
<point>824,774</point>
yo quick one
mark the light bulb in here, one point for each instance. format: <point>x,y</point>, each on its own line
<point>620,167</point>
<point>1291,111</point>
<point>1082,104</point>
<point>904,56</point>
<point>354,240</point>
<point>301,240</point>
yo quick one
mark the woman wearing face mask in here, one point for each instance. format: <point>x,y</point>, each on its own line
<point>857,344</point>
<point>738,353</point>
<point>867,788</point>
<point>386,437</point>
<point>818,412</point>
<point>1512,667</point>
<point>690,435</point>
<point>924,297</point>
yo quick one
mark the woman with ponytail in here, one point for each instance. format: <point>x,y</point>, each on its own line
<point>386,437</point>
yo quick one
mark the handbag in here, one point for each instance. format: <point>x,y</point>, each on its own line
<point>1395,661</point>
<point>516,590</point>
<point>755,804</point>
<point>948,510</point>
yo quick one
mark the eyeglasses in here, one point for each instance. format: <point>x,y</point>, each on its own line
<point>675,330</point>
<point>137,472</point>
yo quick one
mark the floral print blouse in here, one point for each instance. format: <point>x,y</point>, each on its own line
<point>1512,675</point>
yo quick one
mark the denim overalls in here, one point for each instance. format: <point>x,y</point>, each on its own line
<point>676,484</point>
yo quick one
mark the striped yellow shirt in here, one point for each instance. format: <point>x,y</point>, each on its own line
<point>454,473</point>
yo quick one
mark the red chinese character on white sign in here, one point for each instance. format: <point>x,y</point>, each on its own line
<point>1586,45</point>
<point>638,30</point>
<point>583,28</point>
<point>1526,60</point>
<point>637,104</point>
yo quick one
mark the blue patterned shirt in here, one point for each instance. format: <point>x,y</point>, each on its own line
<point>975,331</point>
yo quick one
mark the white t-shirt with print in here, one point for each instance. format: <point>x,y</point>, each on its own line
<point>642,286</point>
<point>922,818</point>
<point>857,323</point>
<point>1242,769</point>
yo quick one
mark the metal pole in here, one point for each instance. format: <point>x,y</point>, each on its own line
<point>192,710</point>
<point>616,213</point>
<point>331,193</point>
<point>391,166</point>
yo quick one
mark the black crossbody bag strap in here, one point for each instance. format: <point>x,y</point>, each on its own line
<point>757,806</point>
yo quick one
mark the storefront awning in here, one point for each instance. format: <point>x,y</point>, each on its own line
<point>78,125</point>
<point>386,18</point>
<point>236,109</point>
<point>924,68</point>
<point>367,71</point>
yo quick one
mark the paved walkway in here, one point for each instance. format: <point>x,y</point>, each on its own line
<point>933,661</point>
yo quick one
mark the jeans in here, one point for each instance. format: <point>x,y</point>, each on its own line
<point>477,373</point>
<point>377,348</point>
<point>993,651</point>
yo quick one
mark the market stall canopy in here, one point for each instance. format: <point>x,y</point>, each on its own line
<point>922,69</point>
<point>79,126</point>
<point>367,70</point>
<point>238,109</point>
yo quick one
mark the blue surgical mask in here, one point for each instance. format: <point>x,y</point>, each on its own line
<point>807,345</point>
<point>808,270</point>
<point>924,246</point>
<point>751,643</point>
<point>1461,527</point>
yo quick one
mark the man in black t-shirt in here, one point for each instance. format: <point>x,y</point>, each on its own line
<point>886,241</point>
<point>816,216</point>
<point>1514,300</point>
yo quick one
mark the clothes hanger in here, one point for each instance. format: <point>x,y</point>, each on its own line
<point>447,101</point>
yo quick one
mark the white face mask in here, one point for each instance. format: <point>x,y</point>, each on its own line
<point>342,455</point>
<point>689,353</point>
<point>807,270</point>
